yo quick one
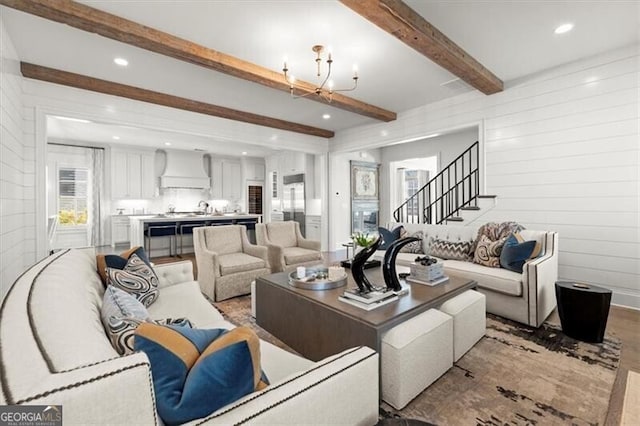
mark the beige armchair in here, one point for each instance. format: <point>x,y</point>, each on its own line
<point>227,261</point>
<point>287,247</point>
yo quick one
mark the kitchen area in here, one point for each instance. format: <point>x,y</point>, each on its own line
<point>180,189</point>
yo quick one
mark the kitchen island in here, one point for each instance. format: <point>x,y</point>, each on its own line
<point>161,244</point>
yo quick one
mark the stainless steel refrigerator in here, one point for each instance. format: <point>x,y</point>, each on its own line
<point>293,204</point>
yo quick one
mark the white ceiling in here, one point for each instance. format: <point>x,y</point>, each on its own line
<point>512,38</point>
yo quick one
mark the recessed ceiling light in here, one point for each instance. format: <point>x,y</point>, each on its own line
<point>244,152</point>
<point>116,137</point>
<point>326,116</point>
<point>167,143</point>
<point>121,61</point>
<point>273,137</point>
<point>564,28</point>
<point>77,120</point>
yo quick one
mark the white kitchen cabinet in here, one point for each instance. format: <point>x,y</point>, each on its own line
<point>292,163</point>
<point>231,180</point>
<point>226,176</point>
<point>132,174</point>
<point>255,171</point>
<point>313,227</point>
<point>216,179</point>
<point>120,230</point>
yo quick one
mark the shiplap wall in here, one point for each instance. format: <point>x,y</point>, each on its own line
<point>562,152</point>
<point>17,232</point>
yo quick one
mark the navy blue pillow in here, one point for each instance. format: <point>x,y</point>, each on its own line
<point>388,236</point>
<point>515,254</point>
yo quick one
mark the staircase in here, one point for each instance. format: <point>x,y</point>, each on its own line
<point>452,196</point>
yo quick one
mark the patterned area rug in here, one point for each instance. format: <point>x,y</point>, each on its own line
<point>515,375</point>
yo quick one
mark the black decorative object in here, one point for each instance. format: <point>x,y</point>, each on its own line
<point>357,266</point>
<point>389,263</point>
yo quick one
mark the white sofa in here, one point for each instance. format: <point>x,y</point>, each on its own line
<point>527,298</point>
<point>54,350</point>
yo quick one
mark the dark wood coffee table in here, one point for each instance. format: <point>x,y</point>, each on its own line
<point>316,324</point>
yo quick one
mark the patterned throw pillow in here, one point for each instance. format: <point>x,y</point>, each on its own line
<point>104,261</point>
<point>453,250</point>
<point>195,372</point>
<point>515,253</point>
<point>137,278</point>
<point>488,252</point>
<point>122,313</point>
<point>389,236</point>
<point>415,247</point>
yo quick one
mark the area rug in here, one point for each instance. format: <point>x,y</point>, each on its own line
<point>515,375</point>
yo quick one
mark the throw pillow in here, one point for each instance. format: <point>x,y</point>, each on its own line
<point>122,313</point>
<point>515,253</point>
<point>415,247</point>
<point>137,278</point>
<point>105,261</point>
<point>196,372</point>
<point>488,252</point>
<point>389,236</point>
<point>453,250</point>
<point>497,231</point>
<point>537,249</point>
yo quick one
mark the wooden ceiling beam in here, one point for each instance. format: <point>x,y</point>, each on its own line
<point>79,81</point>
<point>114,27</point>
<point>404,23</point>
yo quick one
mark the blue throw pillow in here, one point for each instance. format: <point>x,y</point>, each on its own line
<point>196,372</point>
<point>515,254</point>
<point>389,236</point>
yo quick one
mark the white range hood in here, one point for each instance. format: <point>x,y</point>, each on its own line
<point>185,169</point>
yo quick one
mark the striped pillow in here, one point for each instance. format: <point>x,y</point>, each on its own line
<point>136,278</point>
<point>453,250</point>
<point>196,372</point>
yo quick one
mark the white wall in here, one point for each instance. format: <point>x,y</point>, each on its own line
<point>446,147</point>
<point>17,234</point>
<point>562,153</point>
<point>340,193</point>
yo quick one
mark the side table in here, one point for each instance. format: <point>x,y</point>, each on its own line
<point>583,310</point>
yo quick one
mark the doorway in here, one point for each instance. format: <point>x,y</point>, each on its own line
<point>407,177</point>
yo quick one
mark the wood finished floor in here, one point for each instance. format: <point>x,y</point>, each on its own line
<point>623,323</point>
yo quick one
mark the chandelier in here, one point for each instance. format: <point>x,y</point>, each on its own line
<point>320,90</point>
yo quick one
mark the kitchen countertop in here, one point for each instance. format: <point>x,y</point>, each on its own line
<point>190,217</point>
<point>138,222</point>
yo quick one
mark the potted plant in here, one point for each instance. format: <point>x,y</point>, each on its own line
<point>362,239</point>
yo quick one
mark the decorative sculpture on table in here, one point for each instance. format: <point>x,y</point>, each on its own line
<point>357,265</point>
<point>389,264</point>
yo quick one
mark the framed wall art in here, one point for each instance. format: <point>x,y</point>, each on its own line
<point>364,180</point>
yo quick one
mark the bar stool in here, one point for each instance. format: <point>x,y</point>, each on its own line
<point>250,224</point>
<point>161,229</point>
<point>187,229</point>
<point>220,222</point>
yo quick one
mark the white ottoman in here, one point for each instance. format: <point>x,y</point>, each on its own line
<point>469,314</point>
<point>414,354</point>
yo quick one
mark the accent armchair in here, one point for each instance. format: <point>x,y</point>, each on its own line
<point>287,247</point>
<point>227,261</point>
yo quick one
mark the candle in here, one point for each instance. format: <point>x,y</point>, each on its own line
<point>301,272</point>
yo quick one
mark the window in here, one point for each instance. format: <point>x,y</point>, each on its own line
<point>72,196</point>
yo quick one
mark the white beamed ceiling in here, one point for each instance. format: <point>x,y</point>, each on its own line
<point>511,38</point>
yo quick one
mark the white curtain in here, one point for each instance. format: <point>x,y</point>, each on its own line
<point>98,215</point>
